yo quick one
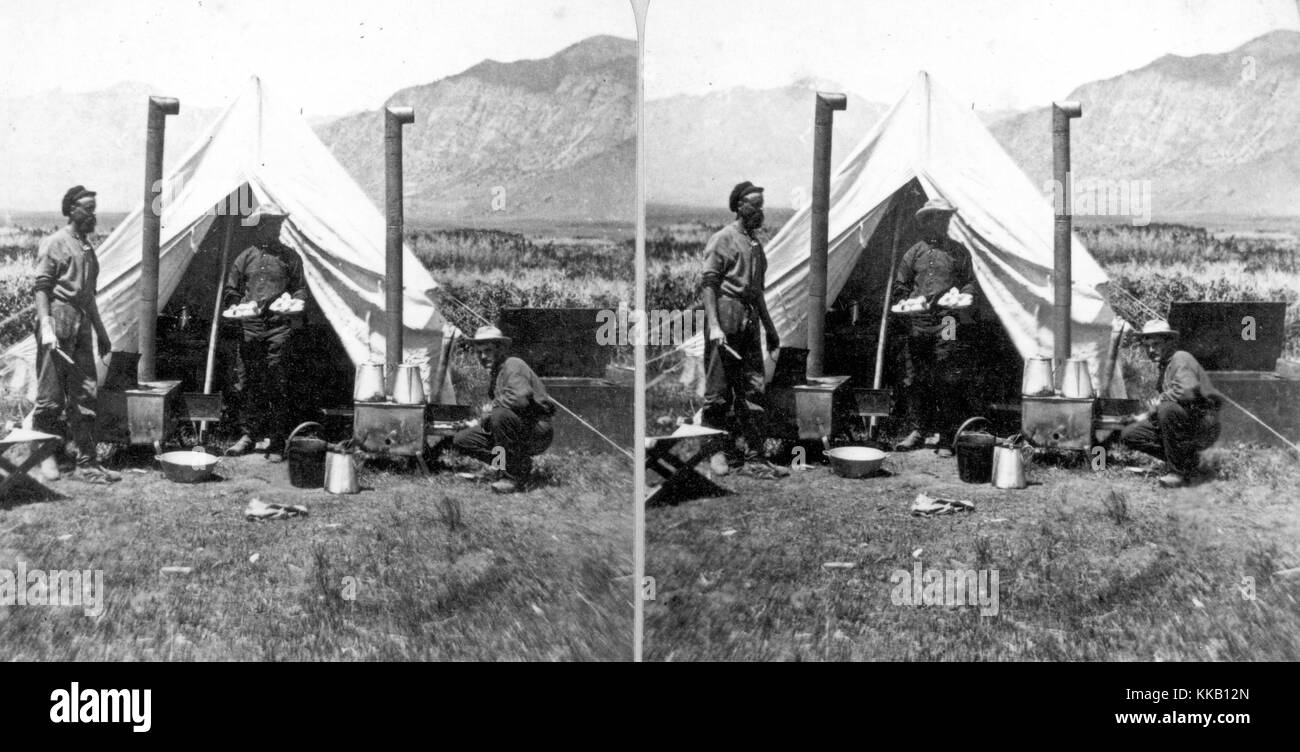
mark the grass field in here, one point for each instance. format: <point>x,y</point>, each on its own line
<point>1092,566</point>
<point>413,568</point>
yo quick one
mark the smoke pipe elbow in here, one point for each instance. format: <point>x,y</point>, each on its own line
<point>401,115</point>
<point>165,105</point>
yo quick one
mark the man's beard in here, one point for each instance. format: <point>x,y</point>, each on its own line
<point>752,219</point>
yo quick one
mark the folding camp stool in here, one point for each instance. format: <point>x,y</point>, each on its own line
<point>680,478</point>
<point>14,466</point>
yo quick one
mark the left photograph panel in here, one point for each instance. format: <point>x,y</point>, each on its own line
<point>314,330</point>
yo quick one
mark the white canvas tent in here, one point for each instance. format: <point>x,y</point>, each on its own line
<point>258,149</point>
<point>930,140</point>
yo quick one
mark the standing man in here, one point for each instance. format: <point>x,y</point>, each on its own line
<point>518,418</point>
<point>261,273</point>
<point>934,356</point>
<point>1184,417</point>
<point>67,277</point>
<point>734,278</point>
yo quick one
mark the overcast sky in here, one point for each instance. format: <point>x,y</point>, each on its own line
<point>337,56</point>
<point>996,53</point>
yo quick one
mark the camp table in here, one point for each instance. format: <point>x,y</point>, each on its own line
<point>679,475</point>
<point>13,468</point>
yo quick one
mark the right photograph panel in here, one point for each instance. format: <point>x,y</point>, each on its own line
<point>973,331</point>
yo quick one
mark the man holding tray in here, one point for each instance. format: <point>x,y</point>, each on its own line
<point>259,275</point>
<point>934,354</point>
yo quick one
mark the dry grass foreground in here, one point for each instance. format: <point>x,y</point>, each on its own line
<point>442,568</point>
<point>1092,566</point>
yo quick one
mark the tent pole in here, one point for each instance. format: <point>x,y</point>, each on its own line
<point>884,313</point>
<point>216,318</point>
<point>444,361</point>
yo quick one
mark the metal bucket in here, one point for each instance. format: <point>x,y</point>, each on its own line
<point>369,383</point>
<point>1075,382</point>
<point>408,389</point>
<point>305,457</point>
<point>1038,380</point>
<point>974,453</point>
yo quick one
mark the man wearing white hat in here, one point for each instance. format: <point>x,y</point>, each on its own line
<point>262,272</point>
<point>1184,417</point>
<point>518,419</point>
<point>933,391</point>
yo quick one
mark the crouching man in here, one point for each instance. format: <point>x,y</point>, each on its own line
<point>518,418</point>
<point>1184,418</point>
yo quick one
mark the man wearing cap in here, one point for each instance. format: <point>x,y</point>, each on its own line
<point>934,353</point>
<point>67,275</point>
<point>517,422</point>
<point>734,277</point>
<point>262,272</point>
<point>1184,417</point>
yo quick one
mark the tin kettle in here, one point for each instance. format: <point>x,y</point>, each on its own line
<point>341,470</point>
<point>1009,464</point>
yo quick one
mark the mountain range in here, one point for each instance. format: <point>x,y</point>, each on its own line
<point>555,138</point>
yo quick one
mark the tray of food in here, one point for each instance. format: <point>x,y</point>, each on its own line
<point>912,305</point>
<point>239,311</point>
<point>286,305</point>
<point>955,298</point>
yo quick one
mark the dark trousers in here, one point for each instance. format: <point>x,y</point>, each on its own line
<point>518,437</point>
<point>735,385</point>
<point>261,382</point>
<point>936,384</point>
<point>68,388</point>
<point>1175,434</point>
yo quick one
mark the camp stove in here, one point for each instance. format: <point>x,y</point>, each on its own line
<point>145,414</point>
<point>1057,422</point>
<point>817,402</point>
<point>389,428</point>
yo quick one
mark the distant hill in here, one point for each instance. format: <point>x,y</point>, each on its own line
<point>1215,134</point>
<point>552,137</point>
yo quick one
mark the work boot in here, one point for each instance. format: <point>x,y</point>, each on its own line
<point>1172,480</point>
<point>718,464</point>
<point>50,468</point>
<point>240,447</point>
<point>94,472</point>
<point>912,441</point>
<point>274,451</point>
